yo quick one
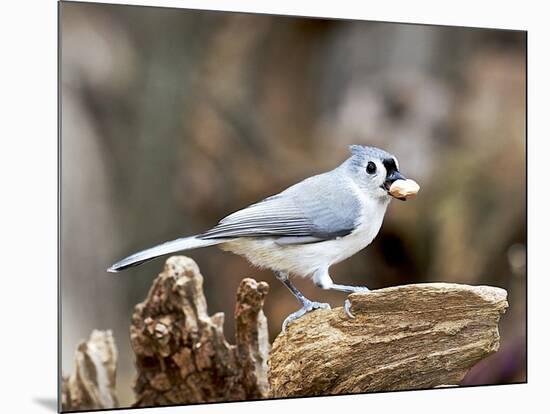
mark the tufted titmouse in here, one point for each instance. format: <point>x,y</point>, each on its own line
<point>306,228</point>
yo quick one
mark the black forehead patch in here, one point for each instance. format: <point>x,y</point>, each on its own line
<point>389,163</point>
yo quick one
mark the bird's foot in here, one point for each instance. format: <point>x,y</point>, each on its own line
<point>309,306</point>
<point>359,289</point>
<point>347,308</point>
<point>347,303</point>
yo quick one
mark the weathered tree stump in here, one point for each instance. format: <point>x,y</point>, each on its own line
<point>92,385</point>
<point>405,337</point>
<point>182,355</point>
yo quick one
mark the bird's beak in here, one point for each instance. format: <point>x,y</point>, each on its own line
<point>391,177</point>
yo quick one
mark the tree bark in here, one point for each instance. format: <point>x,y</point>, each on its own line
<point>92,385</point>
<point>182,355</point>
<point>405,337</point>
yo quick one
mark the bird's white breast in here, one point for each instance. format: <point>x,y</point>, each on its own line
<point>305,259</point>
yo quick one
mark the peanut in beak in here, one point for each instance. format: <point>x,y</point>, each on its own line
<point>404,189</point>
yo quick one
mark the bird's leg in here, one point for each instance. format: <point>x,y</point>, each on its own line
<point>346,288</point>
<point>307,305</point>
<point>323,280</point>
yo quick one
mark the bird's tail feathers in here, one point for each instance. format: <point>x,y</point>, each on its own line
<point>185,243</point>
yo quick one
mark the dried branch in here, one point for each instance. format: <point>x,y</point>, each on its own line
<point>405,337</point>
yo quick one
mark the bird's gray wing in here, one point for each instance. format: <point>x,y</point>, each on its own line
<point>308,212</point>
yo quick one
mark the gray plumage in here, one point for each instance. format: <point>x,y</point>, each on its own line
<point>298,214</point>
<point>306,228</point>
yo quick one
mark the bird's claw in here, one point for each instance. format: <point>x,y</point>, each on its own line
<point>347,303</point>
<point>359,289</point>
<point>308,307</point>
<point>347,309</point>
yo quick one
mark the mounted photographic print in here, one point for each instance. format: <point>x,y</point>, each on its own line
<point>256,206</point>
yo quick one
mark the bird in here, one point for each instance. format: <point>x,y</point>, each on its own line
<point>305,229</point>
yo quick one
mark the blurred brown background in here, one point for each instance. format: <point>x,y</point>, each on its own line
<point>173,118</point>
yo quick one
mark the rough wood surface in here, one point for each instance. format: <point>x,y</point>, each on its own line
<point>92,385</point>
<point>252,338</point>
<point>406,337</point>
<point>182,355</point>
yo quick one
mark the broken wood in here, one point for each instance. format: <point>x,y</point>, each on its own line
<point>92,385</point>
<point>404,337</point>
<point>182,355</point>
<point>401,338</point>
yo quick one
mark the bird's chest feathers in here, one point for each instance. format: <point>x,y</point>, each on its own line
<point>305,259</point>
<point>368,225</point>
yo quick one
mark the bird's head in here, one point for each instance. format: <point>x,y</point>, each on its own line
<point>373,170</point>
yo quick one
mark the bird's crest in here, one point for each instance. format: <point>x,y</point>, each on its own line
<point>361,152</point>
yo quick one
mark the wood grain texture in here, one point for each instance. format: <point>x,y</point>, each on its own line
<point>92,385</point>
<point>182,355</point>
<point>405,337</point>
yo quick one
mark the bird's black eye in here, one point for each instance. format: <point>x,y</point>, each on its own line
<point>371,167</point>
